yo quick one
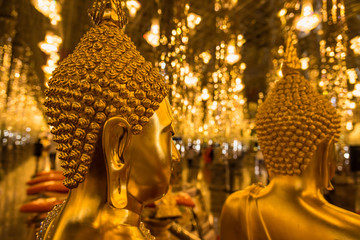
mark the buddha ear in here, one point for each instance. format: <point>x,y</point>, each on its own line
<point>328,164</point>
<point>115,140</point>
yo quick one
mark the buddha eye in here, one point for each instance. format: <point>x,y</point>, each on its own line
<point>169,129</point>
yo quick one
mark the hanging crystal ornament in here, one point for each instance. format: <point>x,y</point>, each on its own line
<point>224,114</point>
<point>23,117</point>
<point>50,46</point>
<point>335,80</point>
<point>355,45</point>
<point>174,62</point>
<point>8,28</point>
<point>50,8</point>
<point>133,6</point>
<point>308,20</point>
<point>153,36</point>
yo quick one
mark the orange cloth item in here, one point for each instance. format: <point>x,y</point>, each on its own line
<point>54,186</point>
<point>45,178</point>
<point>48,172</point>
<point>185,200</point>
<point>40,205</point>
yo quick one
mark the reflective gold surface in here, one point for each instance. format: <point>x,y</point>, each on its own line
<point>296,129</point>
<point>104,77</point>
<point>136,170</point>
<point>113,123</point>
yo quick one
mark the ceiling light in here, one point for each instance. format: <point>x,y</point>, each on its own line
<point>308,20</point>
<point>133,6</point>
<point>153,36</point>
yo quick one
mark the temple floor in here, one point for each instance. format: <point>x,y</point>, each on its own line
<point>18,165</point>
<point>215,181</point>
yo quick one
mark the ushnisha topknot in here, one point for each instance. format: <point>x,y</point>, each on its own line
<point>105,76</point>
<point>293,120</point>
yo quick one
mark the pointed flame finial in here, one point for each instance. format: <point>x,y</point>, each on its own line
<point>291,58</point>
<point>110,10</point>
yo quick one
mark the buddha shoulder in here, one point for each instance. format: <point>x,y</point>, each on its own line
<point>233,216</point>
<point>239,198</point>
<point>242,195</point>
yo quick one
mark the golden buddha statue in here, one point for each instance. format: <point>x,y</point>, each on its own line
<point>297,128</point>
<point>113,125</point>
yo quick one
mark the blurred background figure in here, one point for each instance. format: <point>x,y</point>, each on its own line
<point>261,175</point>
<point>192,159</point>
<point>38,148</point>
<point>208,157</point>
<point>52,154</point>
<point>45,159</point>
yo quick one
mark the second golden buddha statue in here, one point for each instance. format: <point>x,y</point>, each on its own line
<point>113,123</point>
<point>296,128</point>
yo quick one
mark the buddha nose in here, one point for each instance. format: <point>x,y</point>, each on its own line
<point>175,153</point>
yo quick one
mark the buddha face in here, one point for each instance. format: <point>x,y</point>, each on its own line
<point>150,157</point>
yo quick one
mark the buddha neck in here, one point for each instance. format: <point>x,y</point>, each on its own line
<point>296,186</point>
<point>313,179</point>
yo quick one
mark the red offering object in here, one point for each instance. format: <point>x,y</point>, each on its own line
<point>150,205</point>
<point>54,186</point>
<point>48,172</point>
<point>185,200</point>
<point>40,205</point>
<point>45,178</point>
<point>58,187</point>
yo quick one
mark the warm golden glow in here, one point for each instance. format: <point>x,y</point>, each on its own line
<point>50,46</point>
<point>104,98</point>
<point>191,80</point>
<point>239,86</point>
<point>153,36</point>
<point>355,45</point>
<point>352,105</point>
<point>193,20</point>
<point>126,86</point>
<point>308,20</point>
<point>205,94</point>
<point>352,75</point>
<point>356,91</point>
<point>240,40</point>
<point>133,6</point>
<point>349,126</point>
<point>48,69</point>
<point>232,56</point>
<point>304,63</point>
<point>296,129</point>
<point>206,57</point>
<point>243,66</point>
<point>282,12</point>
<point>49,8</point>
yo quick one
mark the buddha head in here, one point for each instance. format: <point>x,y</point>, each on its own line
<point>294,122</point>
<point>105,94</point>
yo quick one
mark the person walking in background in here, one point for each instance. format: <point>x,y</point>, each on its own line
<point>38,148</point>
<point>45,154</point>
<point>191,158</point>
<point>209,154</point>
<point>208,157</point>
<point>52,154</point>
